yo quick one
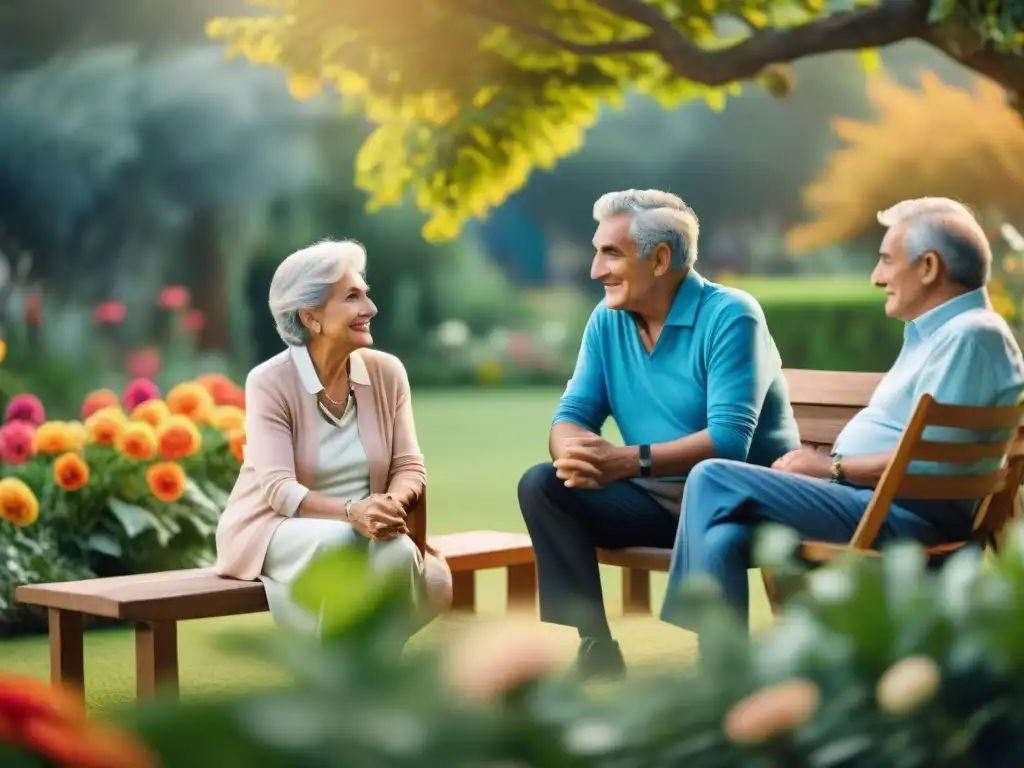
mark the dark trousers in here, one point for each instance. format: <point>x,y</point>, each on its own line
<point>567,525</point>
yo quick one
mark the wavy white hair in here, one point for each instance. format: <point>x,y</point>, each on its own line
<point>656,217</point>
<point>304,280</point>
<point>947,228</point>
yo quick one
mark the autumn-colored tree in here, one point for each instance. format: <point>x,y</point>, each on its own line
<point>470,96</point>
<point>936,141</point>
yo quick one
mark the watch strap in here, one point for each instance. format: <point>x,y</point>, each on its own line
<point>645,461</point>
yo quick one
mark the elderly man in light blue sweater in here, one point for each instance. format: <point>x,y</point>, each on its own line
<point>934,266</point>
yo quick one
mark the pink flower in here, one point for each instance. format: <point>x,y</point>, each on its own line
<point>193,322</point>
<point>144,363</point>
<point>109,313</point>
<point>34,308</point>
<point>139,391</point>
<point>16,441</point>
<point>25,407</point>
<point>174,297</point>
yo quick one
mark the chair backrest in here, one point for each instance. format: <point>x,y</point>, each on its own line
<point>824,401</point>
<point>993,489</point>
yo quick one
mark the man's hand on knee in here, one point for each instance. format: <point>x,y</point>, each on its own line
<point>805,461</point>
<point>589,463</point>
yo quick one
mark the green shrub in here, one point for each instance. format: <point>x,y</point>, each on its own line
<point>880,662</point>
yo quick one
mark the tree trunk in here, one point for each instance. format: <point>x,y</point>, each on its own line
<point>208,277</point>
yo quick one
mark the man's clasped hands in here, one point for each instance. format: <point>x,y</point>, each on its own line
<point>590,462</point>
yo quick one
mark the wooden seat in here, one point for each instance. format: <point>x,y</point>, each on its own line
<point>156,602</point>
<point>997,491</point>
<point>474,551</point>
<point>823,402</point>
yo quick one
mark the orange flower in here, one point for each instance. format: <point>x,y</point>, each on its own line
<point>53,437</point>
<point>223,389</point>
<point>98,400</point>
<point>153,412</point>
<point>70,471</point>
<point>3,350</point>
<point>104,427</point>
<point>177,437</point>
<point>50,722</point>
<point>137,441</point>
<point>228,417</point>
<point>166,480</point>
<point>236,442</point>
<point>192,400</point>
<point>18,505</point>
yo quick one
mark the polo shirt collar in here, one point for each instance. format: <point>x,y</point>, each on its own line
<point>357,371</point>
<point>924,326</point>
<point>687,301</point>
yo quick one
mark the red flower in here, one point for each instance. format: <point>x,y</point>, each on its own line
<point>109,313</point>
<point>139,391</point>
<point>144,363</point>
<point>16,439</point>
<point>193,322</point>
<point>25,407</point>
<point>174,297</point>
<point>34,308</point>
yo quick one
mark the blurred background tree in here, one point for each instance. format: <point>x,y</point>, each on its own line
<point>938,140</point>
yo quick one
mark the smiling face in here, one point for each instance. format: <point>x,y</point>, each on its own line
<point>626,277</point>
<point>344,319</point>
<point>909,284</point>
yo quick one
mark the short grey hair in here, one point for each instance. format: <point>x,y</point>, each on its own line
<point>304,281</point>
<point>947,228</point>
<point>655,217</point>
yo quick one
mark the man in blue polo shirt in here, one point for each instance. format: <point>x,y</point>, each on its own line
<point>688,371</point>
<point>934,265</point>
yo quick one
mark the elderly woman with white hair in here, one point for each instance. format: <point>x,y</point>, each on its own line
<point>332,458</point>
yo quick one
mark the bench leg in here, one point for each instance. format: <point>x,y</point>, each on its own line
<point>636,591</point>
<point>464,591</point>
<point>522,586</point>
<point>156,659</point>
<point>67,656</point>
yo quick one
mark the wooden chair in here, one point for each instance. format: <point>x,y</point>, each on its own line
<point>997,490</point>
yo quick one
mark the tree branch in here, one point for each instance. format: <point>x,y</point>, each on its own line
<point>1004,68</point>
<point>869,27</point>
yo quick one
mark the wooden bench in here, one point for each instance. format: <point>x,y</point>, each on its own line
<point>823,401</point>
<point>156,602</point>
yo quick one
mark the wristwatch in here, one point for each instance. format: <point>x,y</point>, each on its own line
<point>645,461</point>
<point>837,475</point>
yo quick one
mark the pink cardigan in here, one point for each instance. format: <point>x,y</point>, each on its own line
<point>281,450</point>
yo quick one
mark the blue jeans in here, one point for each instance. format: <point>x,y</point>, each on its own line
<point>725,500</point>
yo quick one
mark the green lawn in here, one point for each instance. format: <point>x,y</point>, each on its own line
<point>477,444</point>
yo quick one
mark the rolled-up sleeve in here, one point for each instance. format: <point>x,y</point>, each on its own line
<point>585,400</point>
<point>269,450</point>
<point>742,363</point>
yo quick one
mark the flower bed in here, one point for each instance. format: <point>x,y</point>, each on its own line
<point>136,485</point>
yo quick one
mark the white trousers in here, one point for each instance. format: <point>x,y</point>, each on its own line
<point>299,540</point>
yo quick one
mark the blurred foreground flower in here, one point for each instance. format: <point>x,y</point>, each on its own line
<point>51,723</point>
<point>143,363</point>
<point>70,472</point>
<point>105,426</point>
<point>236,442</point>
<point>492,659</point>
<point>18,505</point>
<point>56,437</point>
<point>138,441</point>
<point>166,480</point>
<point>25,407</point>
<point>3,350</point>
<point>139,391</point>
<point>178,437</point>
<point>191,399</point>
<point>153,412</point>
<point>17,442</point>
<point>98,400</point>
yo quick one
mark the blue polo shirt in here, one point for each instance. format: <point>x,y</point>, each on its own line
<point>962,353</point>
<point>715,367</point>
